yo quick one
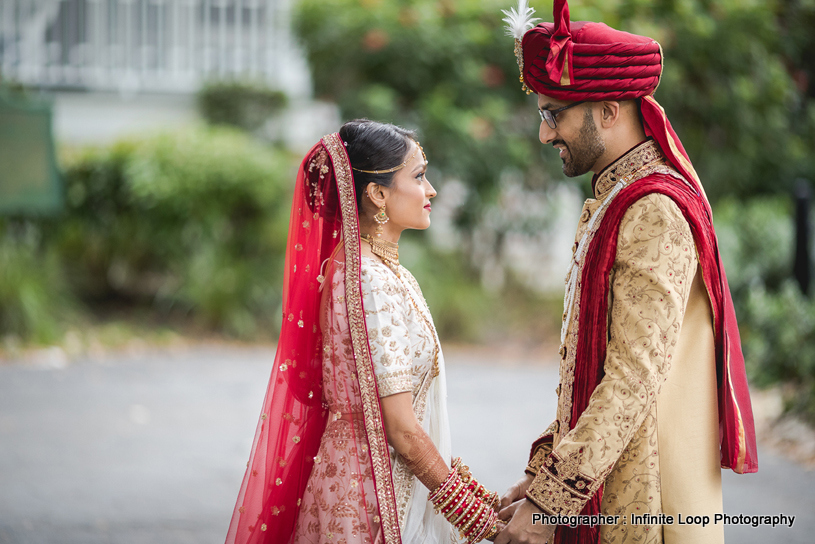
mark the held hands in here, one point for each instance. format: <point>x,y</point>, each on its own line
<point>516,492</point>
<point>518,512</point>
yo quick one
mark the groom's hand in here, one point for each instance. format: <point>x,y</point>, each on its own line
<point>521,530</point>
<point>516,491</point>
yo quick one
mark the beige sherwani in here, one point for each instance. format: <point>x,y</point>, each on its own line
<point>650,432</point>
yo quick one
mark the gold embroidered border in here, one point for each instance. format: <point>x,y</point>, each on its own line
<point>635,170</point>
<point>377,442</point>
<point>399,381</point>
<point>559,488</point>
<point>644,154</point>
<point>535,464</point>
<point>543,449</point>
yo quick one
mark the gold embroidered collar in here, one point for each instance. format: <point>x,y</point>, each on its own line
<point>644,154</point>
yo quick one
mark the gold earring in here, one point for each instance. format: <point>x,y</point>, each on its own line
<point>381,218</point>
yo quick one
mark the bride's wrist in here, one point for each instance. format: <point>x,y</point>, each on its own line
<point>467,504</point>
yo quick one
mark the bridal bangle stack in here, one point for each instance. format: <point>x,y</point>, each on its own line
<point>467,504</point>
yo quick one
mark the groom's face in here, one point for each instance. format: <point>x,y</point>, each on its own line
<point>575,135</point>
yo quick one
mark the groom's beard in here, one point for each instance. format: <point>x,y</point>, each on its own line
<point>584,151</point>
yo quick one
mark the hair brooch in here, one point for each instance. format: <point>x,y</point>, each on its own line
<point>518,23</point>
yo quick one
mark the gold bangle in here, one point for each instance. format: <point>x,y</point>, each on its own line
<point>454,494</point>
<point>491,522</point>
<point>470,522</point>
<point>494,530</point>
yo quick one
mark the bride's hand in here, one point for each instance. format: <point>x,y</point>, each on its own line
<point>516,491</point>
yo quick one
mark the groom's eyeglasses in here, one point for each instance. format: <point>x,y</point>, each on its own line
<point>550,115</point>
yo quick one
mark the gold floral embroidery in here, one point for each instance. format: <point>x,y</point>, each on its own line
<point>640,162</point>
<point>553,497</point>
<point>616,435</point>
<point>404,346</point>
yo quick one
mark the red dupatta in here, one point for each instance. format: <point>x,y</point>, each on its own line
<point>323,238</point>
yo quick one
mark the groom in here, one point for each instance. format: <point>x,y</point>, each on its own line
<point>653,399</point>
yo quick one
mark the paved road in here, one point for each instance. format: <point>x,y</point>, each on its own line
<point>151,448</point>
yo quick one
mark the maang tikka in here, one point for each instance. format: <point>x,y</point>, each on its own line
<point>381,218</point>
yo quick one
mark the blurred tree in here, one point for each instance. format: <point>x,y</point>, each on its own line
<point>735,84</point>
<point>444,67</point>
<point>729,87</point>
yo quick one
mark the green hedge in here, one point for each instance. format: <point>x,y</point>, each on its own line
<point>239,104</point>
<point>777,322</point>
<point>194,221</point>
<point>34,297</point>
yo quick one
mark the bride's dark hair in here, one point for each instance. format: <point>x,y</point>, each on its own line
<point>374,146</point>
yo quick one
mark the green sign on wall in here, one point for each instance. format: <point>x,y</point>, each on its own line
<point>29,179</point>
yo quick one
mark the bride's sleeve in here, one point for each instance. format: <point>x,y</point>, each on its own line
<point>384,303</point>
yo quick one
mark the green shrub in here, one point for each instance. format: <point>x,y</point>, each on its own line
<point>34,297</point>
<point>756,243</point>
<point>194,221</point>
<point>777,322</point>
<point>778,335</point>
<point>243,105</point>
<point>460,307</point>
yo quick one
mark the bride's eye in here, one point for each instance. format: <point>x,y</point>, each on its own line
<point>420,175</point>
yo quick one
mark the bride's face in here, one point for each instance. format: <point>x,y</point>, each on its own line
<point>408,198</point>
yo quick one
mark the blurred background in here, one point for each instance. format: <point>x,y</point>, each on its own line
<point>148,150</point>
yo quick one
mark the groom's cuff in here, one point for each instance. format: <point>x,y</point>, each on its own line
<point>541,449</point>
<point>538,459</point>
<point>559,489</point>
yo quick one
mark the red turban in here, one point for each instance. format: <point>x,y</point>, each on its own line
<point>592,61</point>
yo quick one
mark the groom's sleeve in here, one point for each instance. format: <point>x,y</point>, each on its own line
<point>541,449</point>
<point>650,285</point>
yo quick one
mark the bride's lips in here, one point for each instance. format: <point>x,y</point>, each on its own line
<point>427,207</point>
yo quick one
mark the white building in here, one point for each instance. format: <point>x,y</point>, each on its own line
<point>133,46</point>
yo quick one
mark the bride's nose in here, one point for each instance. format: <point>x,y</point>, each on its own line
<point>431,192</point>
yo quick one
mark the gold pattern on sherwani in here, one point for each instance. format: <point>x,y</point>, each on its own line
<point>643,160</point>
<point>649,287</point>
<point>615,441</point>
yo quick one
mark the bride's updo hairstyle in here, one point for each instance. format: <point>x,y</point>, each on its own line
<point>374,146</point>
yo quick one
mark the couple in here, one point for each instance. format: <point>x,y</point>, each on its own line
<point>353,444</point>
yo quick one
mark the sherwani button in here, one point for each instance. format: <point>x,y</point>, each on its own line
<point>584,217</point>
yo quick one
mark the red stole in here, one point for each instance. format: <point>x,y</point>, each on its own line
<point>736,431</point>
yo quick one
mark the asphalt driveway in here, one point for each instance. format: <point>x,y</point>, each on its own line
<point>151,447</point>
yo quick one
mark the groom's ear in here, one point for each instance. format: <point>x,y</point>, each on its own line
<point>609,113</point>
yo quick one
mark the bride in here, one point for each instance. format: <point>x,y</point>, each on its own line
<point>353,441</point>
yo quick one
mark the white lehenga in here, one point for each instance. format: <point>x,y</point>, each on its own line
<point>407,356</point>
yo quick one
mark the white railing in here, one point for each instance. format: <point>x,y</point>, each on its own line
<point>149,45</point>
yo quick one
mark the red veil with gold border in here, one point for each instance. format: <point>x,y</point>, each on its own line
<point>323,239</point>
